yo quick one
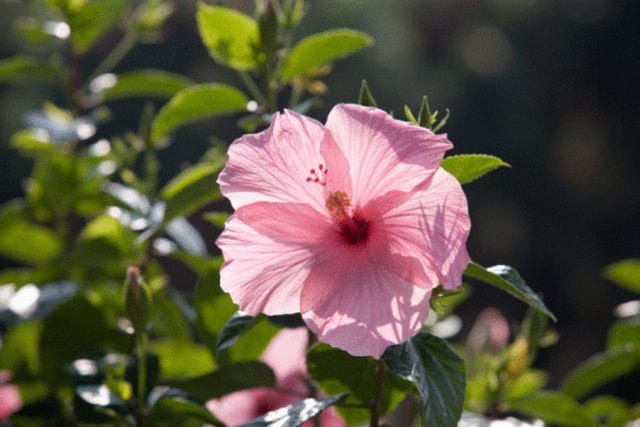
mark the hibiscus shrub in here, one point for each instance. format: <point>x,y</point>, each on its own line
<point>341,265</point>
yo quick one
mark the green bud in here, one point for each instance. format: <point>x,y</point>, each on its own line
<point>137,300</point>
<point>268,25</point>
<point>365,97</point>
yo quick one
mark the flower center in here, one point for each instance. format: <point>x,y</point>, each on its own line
<point>353,228</point>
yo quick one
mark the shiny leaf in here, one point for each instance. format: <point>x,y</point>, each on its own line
<point>507,279</point>
<point>437,371</point>
<point>295,415</point>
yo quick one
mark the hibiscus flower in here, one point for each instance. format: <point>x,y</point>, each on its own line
<point>286,355</point>
<point>351,224</point>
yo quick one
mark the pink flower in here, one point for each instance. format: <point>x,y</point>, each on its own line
<point>286,355</point>
<point>351,224</point>
<point>10,400</point>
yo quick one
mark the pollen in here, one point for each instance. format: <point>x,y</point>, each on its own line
<point>339,204</point>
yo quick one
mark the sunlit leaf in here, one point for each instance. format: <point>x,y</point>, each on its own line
<point>197,103</point>
<point>553,408</point>
<point>625,273</point>
<point>323,48</point>
<point>231,37</point>
<point>295,414</point>
<point>93,403</point>
<point>507,279</point>
<point>142,83</point>
<point>601,369</point>
<point>230,378</point>
<point>469,167</point>
<point>437,371</point>
<point>182,359</point>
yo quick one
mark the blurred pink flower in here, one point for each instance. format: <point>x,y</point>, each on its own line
<point>351,224</point>
<point>286,355</point>
<point>490,332</point>
<point>10,400</point>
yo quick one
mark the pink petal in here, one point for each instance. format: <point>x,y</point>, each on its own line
<point>273,165</point>
<point>286,354</point>
<point>431,226</point>
<point>268,250</point>
<point>239,407</point>
<point>384,154</point>
<point>357,305</point>
<point>10,401</point>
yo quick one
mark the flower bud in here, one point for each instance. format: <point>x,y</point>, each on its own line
<point>137,300</point>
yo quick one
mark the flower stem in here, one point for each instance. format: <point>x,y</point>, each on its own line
<point>252,87</point>
<point>142,370</point>
<point>126,43</point>
<point>374,407</point>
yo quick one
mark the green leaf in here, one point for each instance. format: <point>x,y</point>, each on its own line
<point>336,371</point>
<point>507,279</point>
<point>601,369</point>
<point>554,408</point>
<point>469,167</point>
<point>296,414</point>
<point>437,371</point>
<point>191,190</point>
<point>90,334</point>
<point>625,273</point>
<point>25,68</point>
<point>168,402</point>
<point>323,48</point>
<point>366,98</point>
<point>216,218</point>
<point>20,348</point>
<point>182,359</point>
<point>25,241</point>
<point>92,20</point>
<point>143,83</point>
<point>197,103</point>
<point>624,332</point>
<point>32,142</point>
<point>609,410</point>
<point>233,329</point>
<point>230,378</point>
<point>524,385</point>
<point>231,37</point>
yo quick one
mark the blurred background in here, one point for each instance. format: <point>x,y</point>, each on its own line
<point>550,86</point>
